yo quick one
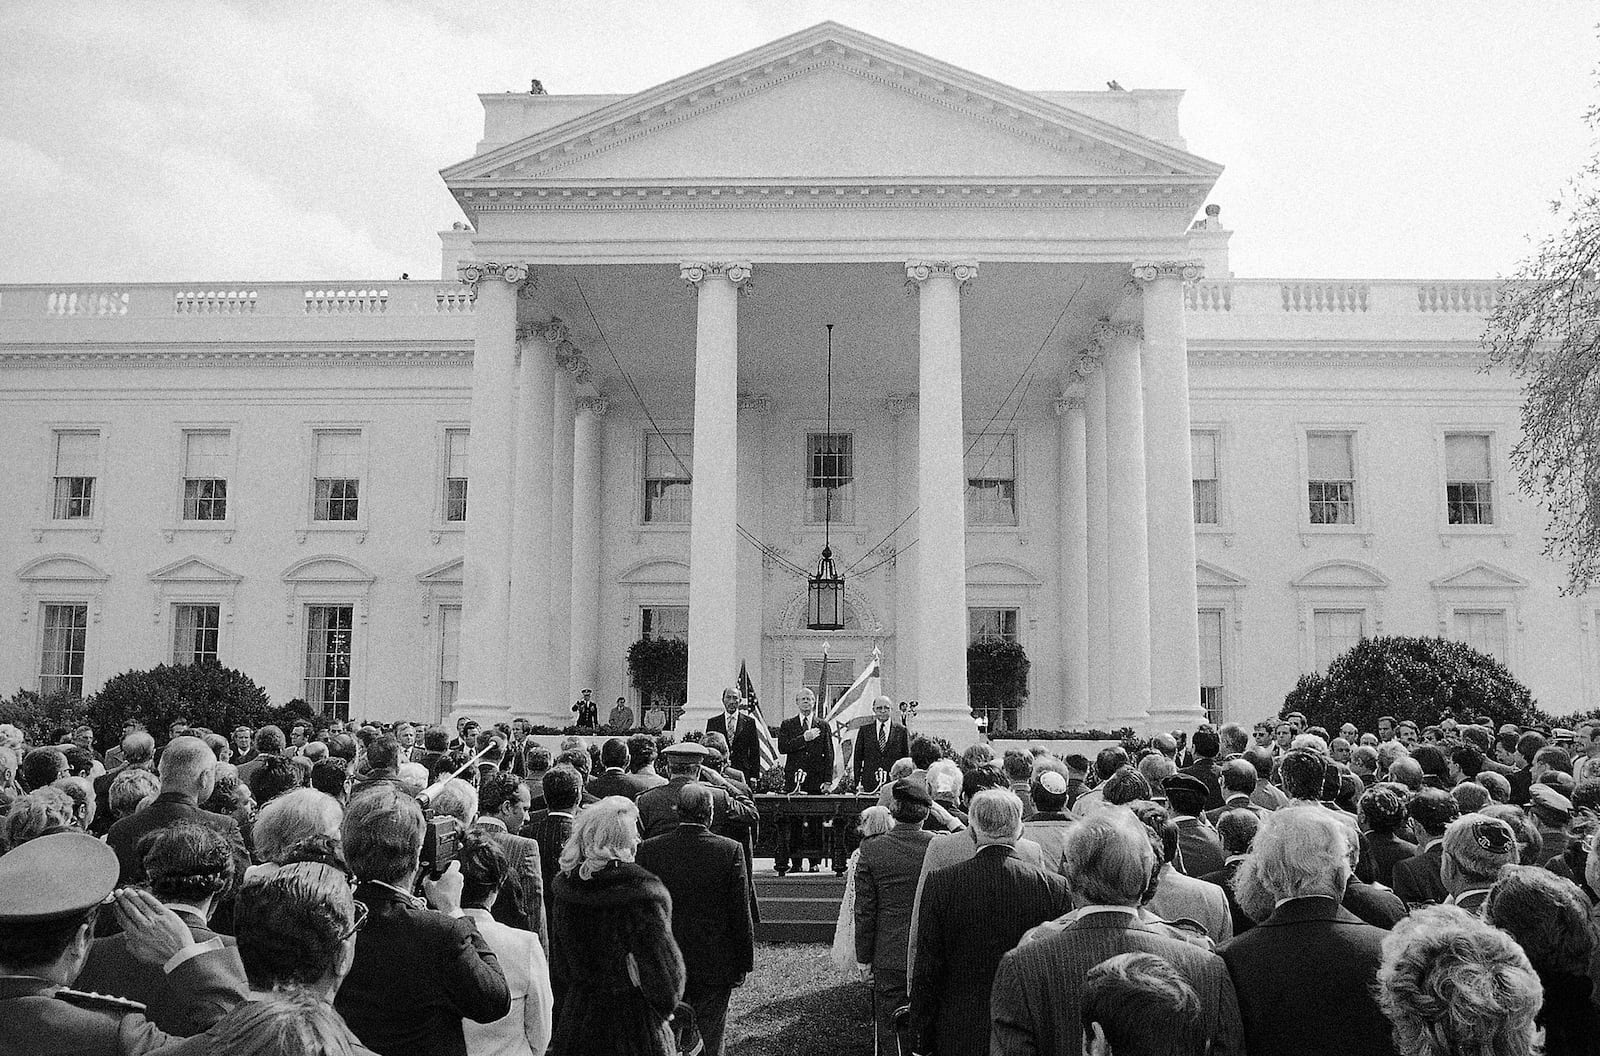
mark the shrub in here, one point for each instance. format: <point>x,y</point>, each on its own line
<point>1410,678</point>
<point>659,667</point>
<point>37,717</point>
<point>206,694</point>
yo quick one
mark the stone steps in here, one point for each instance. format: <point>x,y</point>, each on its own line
<point>798,908</point>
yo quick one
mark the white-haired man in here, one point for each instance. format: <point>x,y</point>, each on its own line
<point>878,746</point>
<point>1305,973</point>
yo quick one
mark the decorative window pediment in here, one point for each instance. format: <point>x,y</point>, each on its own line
<point>441,585</point>
<point>328,568</point>
<point>656,572</point>
<point>193,569</point>
<point>1480,575</point>
<point>62,568</point>
<point>1215,576</point>
<point>446,573</point>
<point>1351,574</point>
<point>1001,574</point>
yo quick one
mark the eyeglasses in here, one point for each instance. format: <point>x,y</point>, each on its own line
<point>359,922</point>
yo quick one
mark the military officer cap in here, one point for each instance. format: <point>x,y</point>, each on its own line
<point>1181,783</point>
<point>685,750</point>
<point>913,789</point>
<point>54,877</point>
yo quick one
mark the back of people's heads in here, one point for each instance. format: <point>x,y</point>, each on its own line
<point>1156,768</point>
<point>1530,842</point>
<point>1476,848</point>
<point>1107,859</point>
<point>975,757</point>
<point>129,789</point>
<point>1310,742</point>
<point>186,764</point>
<point>1236,829</point>
<point>1547,914</point>
<point>1496,784</point>
<point>1453,985</point>
<point>383,754</point>
<point>1528,745</point>
<point>272,778</point>
<point>284,1023</point>
<point>614,754</point>
<point>1136,1004</point>
<point>343,746</point>
<point>1125,786</point>
<point>294,816</point>
<point>1468,759</point>
<point>641,751</point>
<point>1206,742</point>
<point>1261,759</point>
<point>382,833</point>
<point>1077,764</point>
<point>1233,738</point>
<point>538,758</point>
<point>138,748</point>
<point>578,759</point>
<point>436,739</point>
<point>270,740</point>
<point>1406,771</point>
<point>695,804</point>
<point>40,767</point>
<point>1239,775</point>
<point>1470,797</point>
<point>996,815</point>
<point>975,781</point>
<point>1434,809</point>
<point>1049,791</point>
<point>1018,766</point>
<point>1303,772</point>
<point>1109,760</point>
<point>1431,759</point>
<point>1364,759</point>
<point>39,813</point>
<point>82,793</point>
<point>457,799</point>
<point>186,862</point>
<point>875,821</point>
<point>1298,852</point>
<point>602,834</point>
<point>901,768</point>
<point>924,752</point>
<point>79,759</point>
<point>330,776</point>
<point>1383,810</point>
<point>1163,831</point>
<point>484,866</point>
<point>563,787</point>
<point>290,923</point>
<point>496,790</point>
<point>944,778</point>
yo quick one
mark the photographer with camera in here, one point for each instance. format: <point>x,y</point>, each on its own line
<point>417,971</point>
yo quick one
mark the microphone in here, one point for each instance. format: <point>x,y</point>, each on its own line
<point>799,779</point>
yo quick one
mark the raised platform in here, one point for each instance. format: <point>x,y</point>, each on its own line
<point>800,907</point>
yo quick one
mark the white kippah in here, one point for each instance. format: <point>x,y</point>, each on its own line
<point>1053,783</point>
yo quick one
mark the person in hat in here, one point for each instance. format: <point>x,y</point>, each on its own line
<point>886,890</point>
<point>735,812</point>
<point>1552,814</point>
<point>1475,848</point>
<point>1199,849</point>
<point>51,892</point>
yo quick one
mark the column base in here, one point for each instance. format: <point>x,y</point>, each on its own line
<point>959,728</point>
<point>486,712</point>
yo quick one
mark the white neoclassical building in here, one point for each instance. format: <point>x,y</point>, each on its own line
<point>1056,417</point>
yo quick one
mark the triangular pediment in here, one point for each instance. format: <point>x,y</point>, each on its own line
<point>448,572</point>
<point>828,103</point>
<point>1208,575</point>
<point>194,569</point>
<point>1480,575</point>
<point>1341,574</point>
<point>59,568</point>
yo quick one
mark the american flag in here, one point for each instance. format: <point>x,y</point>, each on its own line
<point>747,690</point>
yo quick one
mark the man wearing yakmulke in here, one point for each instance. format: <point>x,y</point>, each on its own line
<point>1199,849</point>
<point>51,890</point>
<point>886,888</point>
<point>1476,848</point>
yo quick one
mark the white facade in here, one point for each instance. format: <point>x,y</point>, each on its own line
<point>1010,273</point>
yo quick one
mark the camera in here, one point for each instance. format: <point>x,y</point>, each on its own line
<point>441,840</point>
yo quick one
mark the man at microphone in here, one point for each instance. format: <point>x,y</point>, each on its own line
<point>807,747</point>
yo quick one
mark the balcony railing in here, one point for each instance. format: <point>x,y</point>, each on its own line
<point>1335,297</point>
<point>149,301</point>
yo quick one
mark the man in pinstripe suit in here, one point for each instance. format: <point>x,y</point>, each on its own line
<point>1109,866</point>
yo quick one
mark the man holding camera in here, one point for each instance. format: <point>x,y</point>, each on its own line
<point>417,972</point>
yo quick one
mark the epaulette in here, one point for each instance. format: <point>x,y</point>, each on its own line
<point>1184,929</point>
<point>99,1002</point>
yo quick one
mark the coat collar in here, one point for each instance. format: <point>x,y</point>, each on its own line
<point>26,986</point>
<point>1304,910</point>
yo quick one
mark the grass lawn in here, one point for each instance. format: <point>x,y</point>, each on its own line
<point>797,1004</point>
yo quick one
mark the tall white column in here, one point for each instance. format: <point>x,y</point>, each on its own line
<point>753,416</point>
<point>486,561</point>
<point>569,363</point>
<point>1074,550</point>
<point>1174,644</point>
<point>713,523</point>
<point>587,446</point>
<point>941,492</point>
<point>903,413</point>
<point>534,693</point>
<point>1128,552</point>
<point>1098,549</point>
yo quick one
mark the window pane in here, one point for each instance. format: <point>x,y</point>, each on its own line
<point>1332,502</point>
<point>338,453</point>
<point>991,624</point>
<point>1203,455</point>
<point>449,655</point>
<point>74,498</point>
<point>668,455</point>
<point>1205,502</point>
<point>1484,631</point>
<point>329,649</point>
<point>1466,457</point>
<point>195,633</point>
<point>841,675</point>
<point>455,499</point>
<point>830,477</point>
<point>1336,631</point>
<point>205,500</point>
<point>338,500</point>
<point>205,454</point>
<point>456,448</point>
<point>1210,648</point>
<point>77,454</point>
<point>991,466</point>
<point>66,629</point>
<point>664,621</point>
<point>1329,457</point>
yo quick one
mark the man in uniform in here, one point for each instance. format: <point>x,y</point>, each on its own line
<point>51,890</point>
<point>658,807</point>
<point>587,710</point>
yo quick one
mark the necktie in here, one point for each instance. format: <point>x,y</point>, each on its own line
<point>883,737</point>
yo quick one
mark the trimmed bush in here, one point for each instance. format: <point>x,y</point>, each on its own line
<point>206,694</point>
<point>37,717</point>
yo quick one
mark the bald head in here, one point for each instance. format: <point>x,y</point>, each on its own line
<point>186,766</point>
<point>694,804</point>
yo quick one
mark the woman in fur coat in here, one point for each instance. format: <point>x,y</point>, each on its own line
<point>617,971</point>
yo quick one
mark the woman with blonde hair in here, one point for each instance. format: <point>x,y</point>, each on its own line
<point>284,1023</point>
<point>874,821</point>
<point>617,972</point>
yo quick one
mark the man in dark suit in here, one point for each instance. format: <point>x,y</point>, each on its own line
<point>1238,789</point>
<point>886,887</point>
<point>1035,1005</point>
<point>1305,975</point>
<point>1416,879</point>
<point>244,748</point>
<point>878,746</point>
<point>705,874</point>
<point>615,780</point>
<point>1236,829</point>
<point>1199,849</point>
<point>417,972</point>
<point>658,808</point>
<point>269,741</point>
<point>806,743</point>
<point>958,950</point>
<point>739,727</point>
<point>503,802</point>
<point>1206,745</point>
<point>188,772</point>
<point>138,753</point>
<point>550,827</point>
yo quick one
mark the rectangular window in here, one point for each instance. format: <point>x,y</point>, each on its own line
<point>455,475</point>
<point>1331,477</point>
<point>336,475</point>
<point>841,675</point>
<point>1335,632</point>
<point>830,477</point>
<point>330,645</point>
<point>1484,631</point>
<point>1211,685</point>
<point>1469,484</point>
<point>668,472</point>
<point>991,625</point>
<point>206,454</point>
<point>66,630</point>
<point>449,655</point>
<point>1203,456</point>
<point>664,621</point>
<point>666,697</point>
<point>194,633</point>
<point>991,464</point>
<point>77,464</point>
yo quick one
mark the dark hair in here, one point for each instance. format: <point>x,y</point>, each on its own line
<point>641,751</point>
<point>1078,763</point>
<point>1187,800</point>
<point>382,833</point>
<point>1261,759</point>
<point>483,868</point>
<point>1233,738</point>
<point>80,760</point>
<point>925,752</point>
<point>1586,796</point>
<point>1468,758</point>
<point>41,767</point>
<point>537,758</point>
<point>330,775</point>
<point>563,787</point>
<point>909,811</point>
<point>496,790</point>
<point>1555,757</point>
<point>1529,744</point>
<point>288,931</point>
<point>1018,765</point>
<point>343,746</point>
<point>1109,760</point>
<point>1206,742</point>
<point>578,759</point>
<point>436,739</point>
<point>1048,802</point>
<point>1434,809</point>
<point>615,753</point>
<point>1143,1005</point>
<point>274,776</point>
<point>1431,759</point>
<point>1302,773</point>
<point>1236,829</point>
<point>186,862</point>
<point>270,740</point>
<point>1125,786</point>
<point>383,754</point>
<point>1163,831</point>
<point>1239,775</point>
<point>1547,914</point>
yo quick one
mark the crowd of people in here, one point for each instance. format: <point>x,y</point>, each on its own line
<point>336,889</point>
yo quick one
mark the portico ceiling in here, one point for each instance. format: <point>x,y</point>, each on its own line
<point>647,315</point>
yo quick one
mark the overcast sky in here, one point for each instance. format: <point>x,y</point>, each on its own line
<point>280,139</point>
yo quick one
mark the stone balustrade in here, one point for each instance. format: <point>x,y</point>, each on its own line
<point>141,300</point>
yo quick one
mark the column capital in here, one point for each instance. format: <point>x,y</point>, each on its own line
<point>899,403</point>
<point>1107,331</point>
<point>759,402</point>
<point>552,331</point>
<point>595,405</point>
<point>695,272</point>
<point>1148,271</point>
<point>920,271</point>
<point>472,272</point>
<point>1071,400</point>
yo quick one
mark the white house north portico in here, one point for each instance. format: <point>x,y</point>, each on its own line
<point>1057,419</point>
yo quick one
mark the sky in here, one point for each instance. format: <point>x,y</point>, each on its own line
<point>215,141</point>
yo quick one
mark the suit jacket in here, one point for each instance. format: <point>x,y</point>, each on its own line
<point>886,888</point>
<point>1209,771</point>
<point>521,900</point>
<point>1416,879</point>
<point>1049,831</point>
<point>1034,1005</point>
<point>733,813</point>
<point>550,832</point>
<point>705,875</point>
<point>622,783</point>
<point>168,809</point>
<point>958,950</point>
<point>1180,897</point>
<point>868,758</point>
<point>815,756</point>
<point>1234,801</point>
<point>1304,977</point>
<point>415,976</point>
<point>1223,878</point>
<point>37,1016</point>
<point>1199,850</point>
<point>191,1009</point>
<point>949,850</point>
<point>103,818</point>
<point>744,745</point>
<point>1521,786</point>
<point>1387,850</point>
<point>1373,905</point>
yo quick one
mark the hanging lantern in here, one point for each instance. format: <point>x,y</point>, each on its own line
<point>825,596</point>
